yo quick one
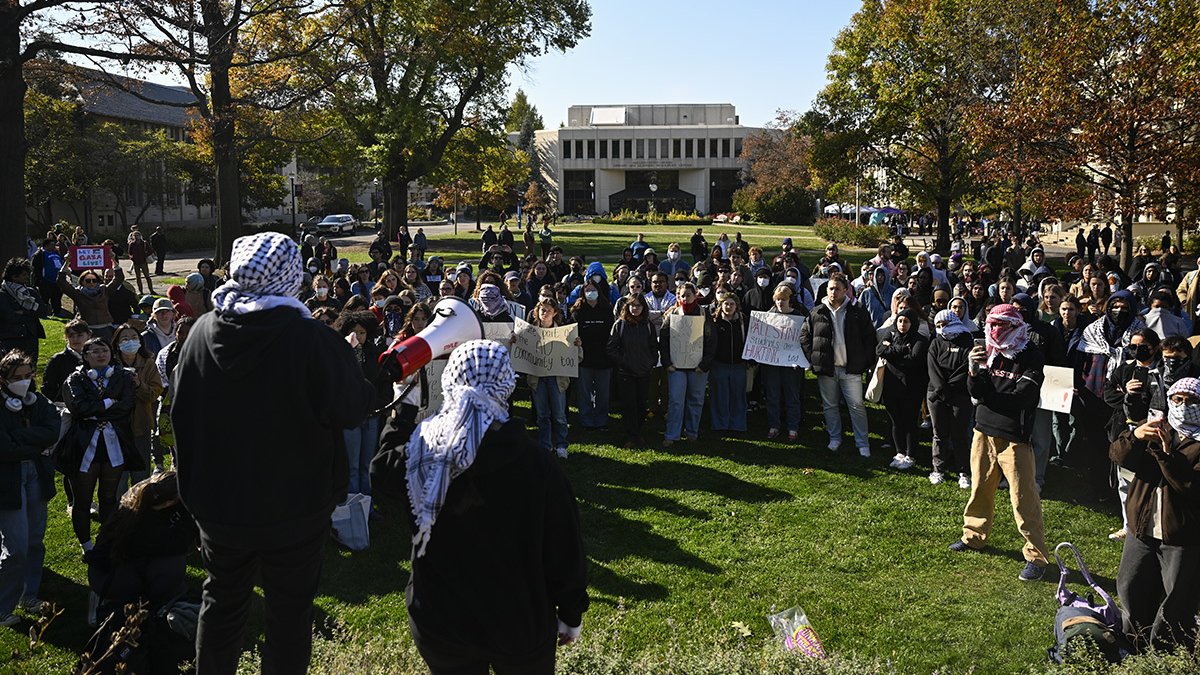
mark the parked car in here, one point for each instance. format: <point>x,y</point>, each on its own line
<point>341,223</point>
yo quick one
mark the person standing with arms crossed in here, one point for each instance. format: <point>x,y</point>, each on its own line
<point>262,471</point>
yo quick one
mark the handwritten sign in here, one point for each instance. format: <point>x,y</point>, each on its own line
<point>501,332</point>
<point>545,352</point>
<point>433,378</point>
<point>1058,389</point>
<point>90,257</point>
<point>774,340</point>
<point>687,339</point>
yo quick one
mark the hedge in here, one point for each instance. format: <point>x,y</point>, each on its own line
<point>842,231</point>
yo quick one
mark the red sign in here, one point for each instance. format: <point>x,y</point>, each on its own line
<point>90,257</point>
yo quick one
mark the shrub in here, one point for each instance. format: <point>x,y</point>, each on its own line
<point>847,232</point>
<point>673,217</point>
<point>793,205</point>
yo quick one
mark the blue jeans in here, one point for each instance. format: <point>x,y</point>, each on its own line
<point>727,407</point>
<point>685,402</point>
<point>361,443</point>
<point>781,386</point>
<point>550,404</point>
<point>834,388</point>
<point>593,396</point>
<point>22,550</point>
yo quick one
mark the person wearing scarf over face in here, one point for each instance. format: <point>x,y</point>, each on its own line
<point>1128,392</point>
<point>950,408</point>
<point>1159,577</point>
<point>263,502</point>
<point>490,304</point>
<point>477,482</point>
<point>1005,377</point>
<point>904,350</point>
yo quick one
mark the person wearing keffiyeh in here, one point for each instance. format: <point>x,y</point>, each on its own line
<point>262,394</point>
<point>477,482</point>
<point>950,408</point>
<point>1005,378</point>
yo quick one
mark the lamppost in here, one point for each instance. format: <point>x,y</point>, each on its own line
<point>292,184</point>
<point>857,176</point>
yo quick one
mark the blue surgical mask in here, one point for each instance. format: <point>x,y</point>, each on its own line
<point>130,346</point>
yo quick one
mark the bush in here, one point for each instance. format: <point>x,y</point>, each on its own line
<point>793,205</point>
<point>847,232</point>
<point>673,217</point>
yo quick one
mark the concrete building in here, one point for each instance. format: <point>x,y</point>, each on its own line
<point>613,157</point>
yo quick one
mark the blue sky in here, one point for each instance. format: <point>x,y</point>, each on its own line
<point>759,55</point>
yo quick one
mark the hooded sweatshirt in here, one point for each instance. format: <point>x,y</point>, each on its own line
<point>261,400</point>
<point>605,289</point>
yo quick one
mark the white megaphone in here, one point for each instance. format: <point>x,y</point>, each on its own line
<point>454,322</point>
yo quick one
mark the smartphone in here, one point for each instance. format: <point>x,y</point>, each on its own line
<point>1142,374</point>
<point>1154,416</point>
<point>981,342</point>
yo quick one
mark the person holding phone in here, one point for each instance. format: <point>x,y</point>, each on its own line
<point>1128,392</point>
<point>1159,578</point>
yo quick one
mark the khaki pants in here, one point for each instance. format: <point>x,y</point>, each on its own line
<point>992,457</point>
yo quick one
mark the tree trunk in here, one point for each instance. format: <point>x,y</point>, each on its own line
<point>395,210</point>
<point>222,41</point>
<point>12,130</point>
<point>1127,240</point>
<point>943,224</point>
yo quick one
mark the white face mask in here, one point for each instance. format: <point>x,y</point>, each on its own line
<point>672,255</point>
<point>698,273</point>
<point>313,270</point>
<point>20,387</point>
<point>705,291</point>
<point>763,282</point>
<point>380,303</point>
<point>591,296</point>
<point>596,278</point>
<point>322,292</point>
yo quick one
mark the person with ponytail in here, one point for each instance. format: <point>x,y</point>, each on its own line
<point>30,425</point>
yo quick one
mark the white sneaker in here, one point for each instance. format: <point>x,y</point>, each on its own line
<point>964,482</point>
<point>561,451</point>
<point>896,461</point>
<point>865,451</point>
<point>905,464</point>
<point>925,424</point>
<point>936,477</point>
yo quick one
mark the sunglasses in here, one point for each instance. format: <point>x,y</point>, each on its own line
<point>89,281</point>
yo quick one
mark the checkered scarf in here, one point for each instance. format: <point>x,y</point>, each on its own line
<point>266,272</point>
<point>1185,417</point>
<point>475,388</point>
<point>1005,333</point>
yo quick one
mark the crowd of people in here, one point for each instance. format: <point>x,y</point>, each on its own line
<point>956,344</point>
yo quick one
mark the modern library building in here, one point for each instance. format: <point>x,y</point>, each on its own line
<point>613,157</point>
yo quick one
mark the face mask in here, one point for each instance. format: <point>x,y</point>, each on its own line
<point>1112,288</point>
<point>1142,352</point>
<point>672,255</point>
<point>698,273</point>
<point>1184,417</point>
<point>380,303</point>
<point>704,292</point>
<point>1120,317</point>
<point>20,387</point>
<point>763,282</point>
<point>322,292</point>
<point>312,269</point>
<point>591,296</point>
<point>129,346</point>
<point>596,278</point>
<point>1173,363</point>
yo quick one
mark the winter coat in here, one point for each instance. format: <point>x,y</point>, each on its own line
<point>947,362</point>
<point>145,395</point>
<point>93,309</point>
<point>731,341</point>
<point>595,325</point>
<point>816,339</point>
<point>58,368</point>
<point>27,434</point>
<point>85,400</point>
<point>285,387</point>
<point>907,368</point>
<point>1178,474</point>
<point>18,323</point>
<point>633,348</point>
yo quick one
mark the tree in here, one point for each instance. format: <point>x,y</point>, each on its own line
<point>138,168</point>
<point>776,176</point>
<point>59,164</point>
<point>411,75</point>
<point>479,168</point>
<point>901,75</point>
<point>522,111</point>
<point>1115,103</point>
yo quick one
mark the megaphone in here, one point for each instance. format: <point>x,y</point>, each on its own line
<point>454,322</point>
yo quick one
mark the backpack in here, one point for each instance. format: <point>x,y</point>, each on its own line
<point>1080,622</point>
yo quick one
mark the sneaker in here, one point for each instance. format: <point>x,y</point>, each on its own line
<point>865,451</point>
<point>964,481</point>
<point>10,620</point>
<point>95,509</point>
<point>936,477</point>
<point>1031,572</point>
<point>32,605</point>
<point>925,424</point>
<point>1118,535</point>
<point>668,442</point>
<point>691,437</point>
<point>772,434</point>
<point>834,445</point>
<point>960,546</point>
<point>905,464</point>
<point>561,451</point>
<point>896,461</point>
<point>792,436</point>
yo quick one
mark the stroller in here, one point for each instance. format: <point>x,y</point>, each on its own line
<point>1080,618</point>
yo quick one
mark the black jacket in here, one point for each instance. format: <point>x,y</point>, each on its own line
<point>18,323</point>
<point>1177,472</point>
<point>595,324</point>
<point>816,339</point>
<point>731,340</point>
<point>633,348</point>
<point>710,342</point>
<point>23,436</point>
<point>261,400</point>
<point>948,363</point>
<point>907,371</point>
<point>58,368</point>
<point>505,557</point>
<point>1008,395</point>
<point>86,403</point>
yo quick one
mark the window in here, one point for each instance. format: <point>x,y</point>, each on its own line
<point>688,147</point>
<point>700,148</point>
<point>579,149</point>
<point>737,147</point>
<point>712,148</point>
<point>677,148</point>
<point>591,146</point>
<point>617,149</point>
<point>604,149</point>
<point>628,149</point>
<point>653,148</point>
<point>641,148</point>
<point>566,150</point>
<point>725,147</point>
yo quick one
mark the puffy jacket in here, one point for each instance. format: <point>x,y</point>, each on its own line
<point>1008,395</point>
<point>86,403</point>
<point>633,347</point>
<point>948,361</point>
<point>816,339</point>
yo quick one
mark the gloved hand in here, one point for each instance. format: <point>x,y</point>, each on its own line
<point>567,634</point>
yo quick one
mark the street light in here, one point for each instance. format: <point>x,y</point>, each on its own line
<point>292,183</point>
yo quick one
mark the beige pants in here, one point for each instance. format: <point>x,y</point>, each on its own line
<point>991,458</point>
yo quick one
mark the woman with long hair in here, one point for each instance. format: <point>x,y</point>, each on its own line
<point>550,393</point>
<point>594,315</point>
<point>132,354</point>
<point>633,346</point>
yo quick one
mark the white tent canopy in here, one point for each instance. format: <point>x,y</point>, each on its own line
<point>848,209</point>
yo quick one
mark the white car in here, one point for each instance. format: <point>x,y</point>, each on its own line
<point>341,223</point>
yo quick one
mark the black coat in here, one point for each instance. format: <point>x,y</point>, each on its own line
<point>816,339</point>
<point>261,400</point>
<point>25,435</point>
<point>86,403</point>
<point>18,323</point>
<point>505,556</point>
<point>1008,395</point>
<point>947,361</point>
<point>907,371</point>
<point>58,369</point>
<point>595,324</point>
<point>731,341</point>
<point>634,348</point>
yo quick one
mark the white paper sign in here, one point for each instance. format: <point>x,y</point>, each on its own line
<point>501,332</point>
<point>687,340</point>
<point>1058,389</point>
<point>774,340</point>
<point>545,352</point>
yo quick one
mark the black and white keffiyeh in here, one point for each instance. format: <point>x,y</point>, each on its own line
<point>475,388</point>
<point>265,272</point>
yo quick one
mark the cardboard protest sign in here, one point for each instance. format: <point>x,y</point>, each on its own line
<point>774,340</point>
<point>1058,389</point>
<point>90,257</point>
<point>545,352</point>
<point>433,379</point>
<point>501,332</point>
<point>687,339</point>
